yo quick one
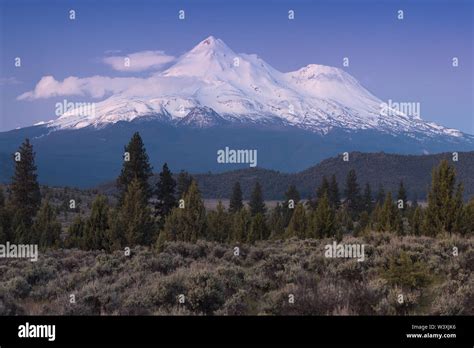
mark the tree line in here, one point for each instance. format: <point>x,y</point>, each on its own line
<point>173,210</point>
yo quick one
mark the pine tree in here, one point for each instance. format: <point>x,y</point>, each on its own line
<point>97,225</point>
<point>444,201</point>
<point>298,226</point>
<point>257,204</point>
<point>183,182</point>
<point>276,222</point>
<point>218,224</point>
<point>368,205</point>
<point>402,196</point>
<point>235,203</point>
<point>134,216</point>
<point>189,223</point>
<point>165,193</point>
<point>324,218</point>
<point>46,228</point>
<point>468,222</point>
<point>25,192</point>
<point>334,195</point>
<point>352,192</point>
<point>135,166</point>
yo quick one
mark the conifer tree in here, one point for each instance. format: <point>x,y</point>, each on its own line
<point>388,214</point>
<point>75,237</point>
<point>323,189</point>
<point>380,199</point>
<point>134,216</point>
<point>292,198</point>
<point>46,228</point>
<point>445,205</point>
<point>352,192</point>
<point>368,205</point>
<point>298,226</point>
<point>165,193</point>
<point>183,182</point>
<point>334,195</point>
<point>25,192</point>
<point>235,203</point>
<point>276,222</point>
<point>417,221</point>
<point>257,204</point>
<point>189,222</point>
<point>135,166</point>
<point>324,218</point>
<point>218,224</point>
<point>240,228</point>
<point>258,229</point>
<point>402,196</point>
<point>97,225</point>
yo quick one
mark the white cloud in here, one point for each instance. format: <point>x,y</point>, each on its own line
<point>9,81</point>
<point>140,61</point>
<point>95,87</point>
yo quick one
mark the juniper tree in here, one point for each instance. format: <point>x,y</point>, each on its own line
<point>218,224</point>
<point>298,226</point>
<point>324,218</point>
<point>97,225</point>
<point>183,182</point>
<point>444,201</point>
<point>235,203</point>
<point>135,166</point>
<point>134,216</point>
<point>187,223</point>
<point>258,229</point>
<point>256,203</point>
<point>46,228</point>
<point>25,197</point>
<point>165,193</point>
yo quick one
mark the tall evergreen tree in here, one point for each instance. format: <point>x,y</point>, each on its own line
<point>292,198</point>
<point>25,192</point>
<point>235,203</point>
<point>257,204</point>
<point>183,182</point>
<point>402,196</point>
<point>334,195</point>
<point>46,228</point>
<point>276,222</point>
<point>75,237</point>
<point>323,188</point>
<point>165,193</point>
<point>444,201</point>
<point>388,214</point>
<point>352,192</point>
<point>135,166</point>
<point>240,227</point>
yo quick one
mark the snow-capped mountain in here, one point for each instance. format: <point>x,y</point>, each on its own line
<point>212,85</point>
